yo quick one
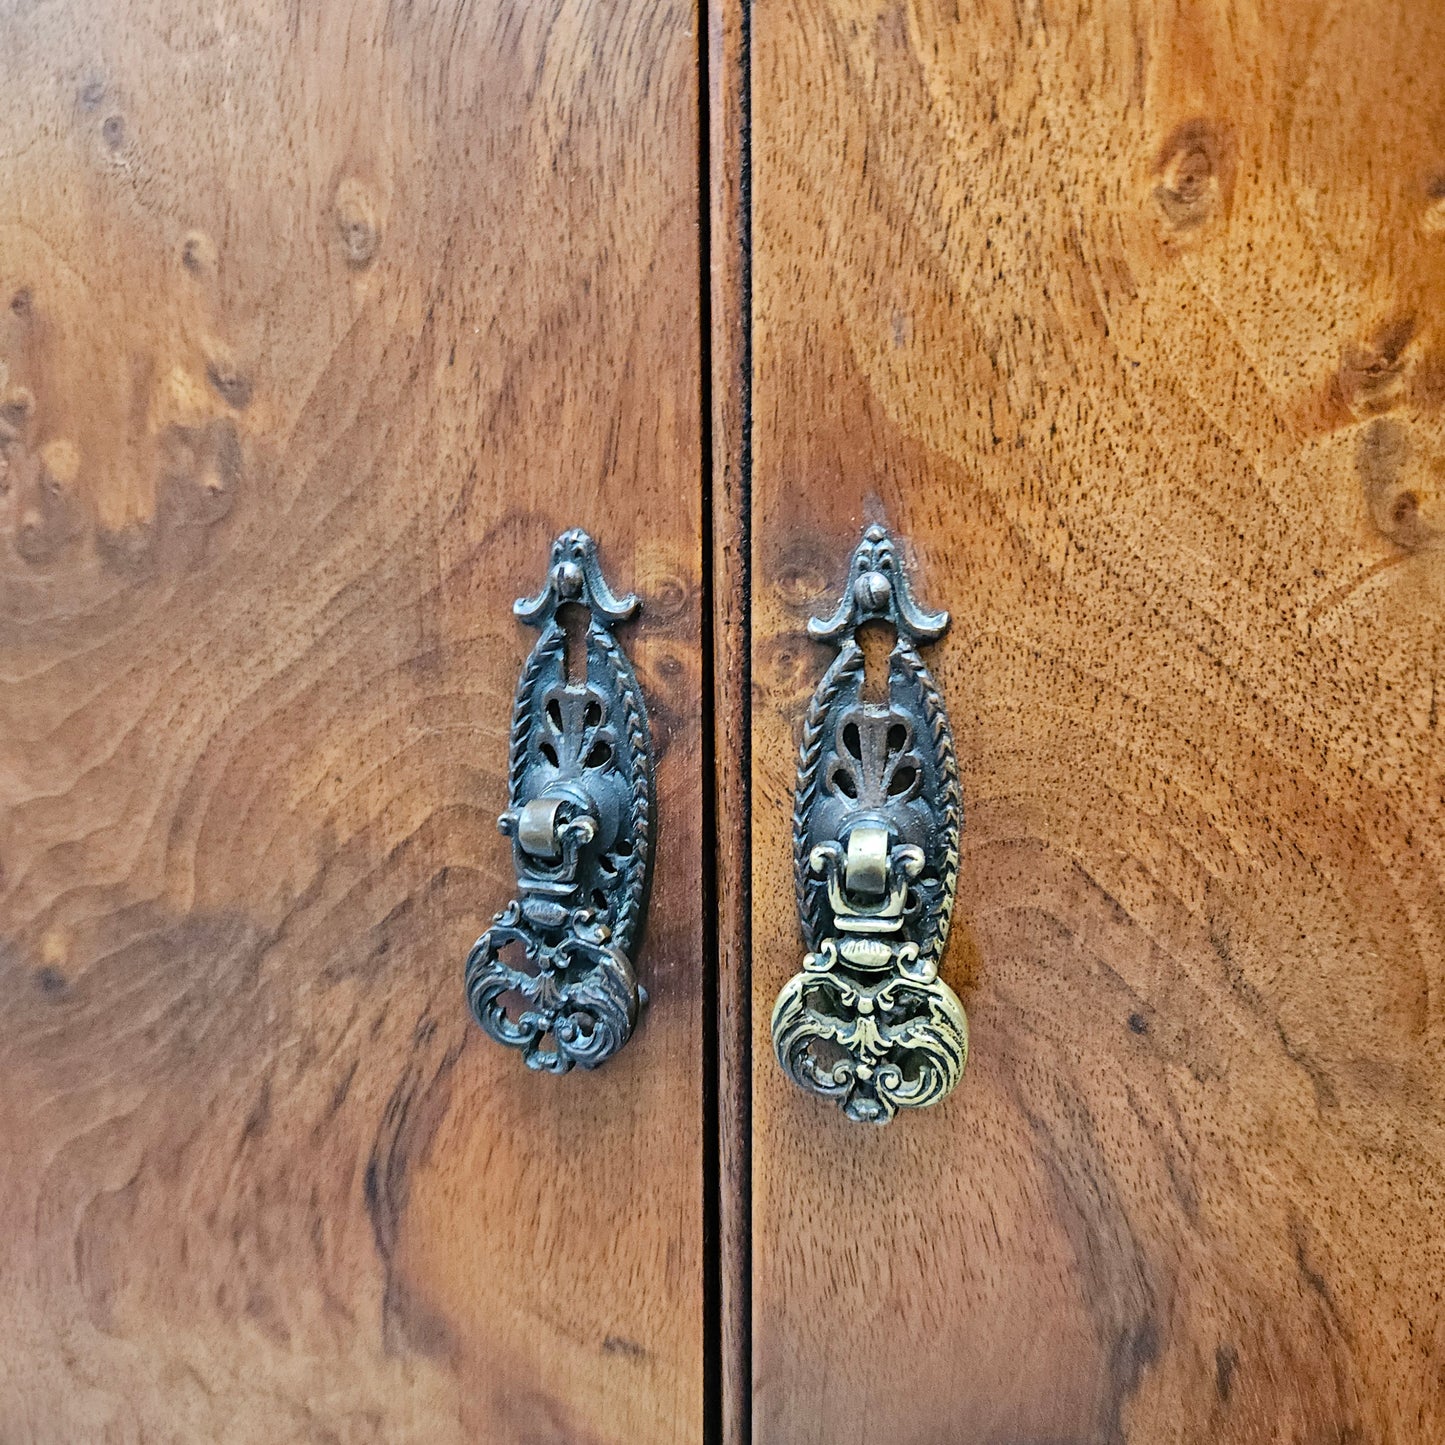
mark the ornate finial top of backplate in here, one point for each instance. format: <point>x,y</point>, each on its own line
<point>878,591</point>
<point>575,575</point>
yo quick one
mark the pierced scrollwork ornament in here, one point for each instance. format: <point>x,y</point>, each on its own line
<point>553,975</point>
<point>868,1022</point>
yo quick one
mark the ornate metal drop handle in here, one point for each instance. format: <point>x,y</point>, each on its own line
<point>552,976</point>
<point>876,823</point>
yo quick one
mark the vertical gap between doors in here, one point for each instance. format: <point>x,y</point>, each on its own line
<point>711,1062</point>
<point>725,231</point>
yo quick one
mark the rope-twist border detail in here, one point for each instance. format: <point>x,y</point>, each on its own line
<point>547,646</point>
<point>634,718</point>
<point>946,761</point>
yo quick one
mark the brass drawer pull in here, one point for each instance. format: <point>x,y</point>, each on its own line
<point>876,824</point>
<point>552,976</point>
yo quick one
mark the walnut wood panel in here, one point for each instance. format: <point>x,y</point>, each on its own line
<point>1130,319</point>
<point>730,584</point>
<point>317,322</point>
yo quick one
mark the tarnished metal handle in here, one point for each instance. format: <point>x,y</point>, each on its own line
<point>876,824</point>
<point>552,976</point>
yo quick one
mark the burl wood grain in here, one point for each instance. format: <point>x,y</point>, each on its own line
<point>317,322</point>
<point>1132,321</point>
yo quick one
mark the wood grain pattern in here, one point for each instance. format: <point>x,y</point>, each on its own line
<point>316,324</point>
<point>1130,320</point>
<point>730,581</point>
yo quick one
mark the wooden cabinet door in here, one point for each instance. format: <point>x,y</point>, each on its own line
<point>317,324</point>
<point>1128,320</point>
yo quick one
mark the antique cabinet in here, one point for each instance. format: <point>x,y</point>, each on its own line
<point>321,319</point>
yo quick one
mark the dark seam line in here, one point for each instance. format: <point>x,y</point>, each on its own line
<point>745,740</point>
<point>712,1334</point>
<point>713,1419</point>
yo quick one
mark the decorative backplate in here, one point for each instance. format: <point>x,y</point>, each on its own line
<point>876,823</point>
<point>553,976</point>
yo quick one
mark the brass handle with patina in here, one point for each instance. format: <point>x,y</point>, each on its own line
<point>876,823</point>
<point>553,975</point>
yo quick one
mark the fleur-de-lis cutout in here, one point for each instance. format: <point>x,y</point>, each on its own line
<point>875,763</point>
<point>574,735</point>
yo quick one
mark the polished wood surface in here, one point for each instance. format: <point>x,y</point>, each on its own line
<point>730,580</point>
<point>1129,320</point>
<point>317,322</point>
